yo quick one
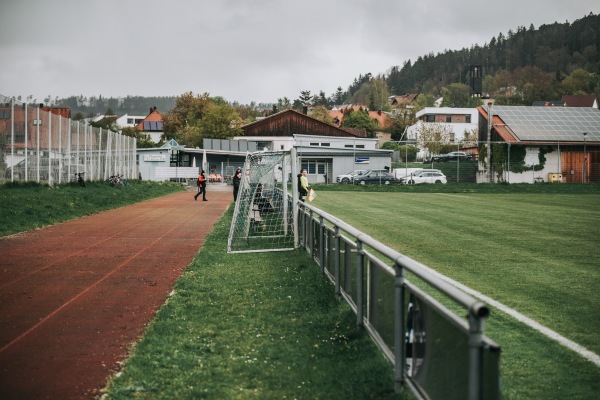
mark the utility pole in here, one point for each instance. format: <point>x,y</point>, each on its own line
<point>584,159</point>
<point>488,155</point>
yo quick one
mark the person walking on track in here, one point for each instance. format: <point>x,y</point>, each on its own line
<point>201,186</point>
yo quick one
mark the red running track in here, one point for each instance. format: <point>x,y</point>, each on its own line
<point>76,295</point>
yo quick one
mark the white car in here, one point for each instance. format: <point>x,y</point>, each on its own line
<point>425,176</point>
<point>349,177</point>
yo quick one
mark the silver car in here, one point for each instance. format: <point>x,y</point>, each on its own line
<point>425,176</point>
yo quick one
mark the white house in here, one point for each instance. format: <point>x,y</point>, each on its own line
<point>129,121</point>
<point>456,121</point>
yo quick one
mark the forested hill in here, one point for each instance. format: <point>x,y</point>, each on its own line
<point>541,58</point>
<point>130,105</point>
<point>558,48</point>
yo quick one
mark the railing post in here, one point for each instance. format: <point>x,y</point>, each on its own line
<point>321,243</point>
<point>302,223</point>
<point>475,362</point>
<point>311,235</point>
<point>338,241</point>
<point>360,296</point>
<point>399,329</point>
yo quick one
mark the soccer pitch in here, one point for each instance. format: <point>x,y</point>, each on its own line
<point>534,253</point>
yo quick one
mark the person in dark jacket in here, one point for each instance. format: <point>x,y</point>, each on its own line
<point>303,185</point>
<point>237,179</point>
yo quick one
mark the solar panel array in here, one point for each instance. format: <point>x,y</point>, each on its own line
<point>153,126</point>
<point>551,123</point>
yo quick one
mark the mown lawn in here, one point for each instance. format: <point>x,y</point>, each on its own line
<point>533,248</point>
<point>30,205</point>
<point>254,326</point>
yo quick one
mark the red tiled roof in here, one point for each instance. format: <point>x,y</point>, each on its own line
<point>499,126</point>
<point>407,98</point>
<point>154,116</point>
<point>338,115</point>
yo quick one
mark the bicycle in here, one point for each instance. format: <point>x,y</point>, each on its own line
<point>113,180</point>
<point>117,180</point>
<point>80,179</point>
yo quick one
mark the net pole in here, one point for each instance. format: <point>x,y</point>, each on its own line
<point>294,167</point>
<point>284,188</point>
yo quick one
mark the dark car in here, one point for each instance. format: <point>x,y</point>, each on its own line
<point>457,156</point>
<point>452,156</point>
<point>375,176</point>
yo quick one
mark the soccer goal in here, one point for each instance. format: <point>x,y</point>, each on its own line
<point>263,217</point>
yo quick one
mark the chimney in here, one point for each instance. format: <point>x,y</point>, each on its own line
<point>305,110</point>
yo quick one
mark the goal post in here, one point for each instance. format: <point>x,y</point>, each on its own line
<point>263,219</point>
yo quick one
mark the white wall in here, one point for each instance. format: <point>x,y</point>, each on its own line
<point>122,121</point>
<point>551,166</point>
<point>457,128</point>
<point>335,142</point>
<point>151,159</point>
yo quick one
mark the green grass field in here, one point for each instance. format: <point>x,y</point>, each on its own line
<point>254,326</point>
<point>30,205</point>
<point>534,252</point>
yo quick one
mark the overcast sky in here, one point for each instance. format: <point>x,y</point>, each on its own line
<point>242,50</point>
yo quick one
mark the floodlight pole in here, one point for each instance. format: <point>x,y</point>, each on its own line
<point>584,158</point>
<point>488,155</point>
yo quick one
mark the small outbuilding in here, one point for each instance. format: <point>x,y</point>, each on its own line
<point>539,144</point>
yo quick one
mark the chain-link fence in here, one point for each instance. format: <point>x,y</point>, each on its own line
<point>44,145</point>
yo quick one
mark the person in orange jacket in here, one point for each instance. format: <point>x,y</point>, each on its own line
<point>201,182</point>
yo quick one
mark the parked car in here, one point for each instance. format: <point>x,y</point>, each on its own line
<point>458,155</point>
<point>452,156</point>
<point>425,176</point>
<point>432,159</point>
<point>349,177</point>
<point>378,176</point>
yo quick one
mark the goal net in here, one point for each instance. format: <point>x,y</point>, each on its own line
<point>263,217</point>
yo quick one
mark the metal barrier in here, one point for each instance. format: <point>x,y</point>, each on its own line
<point>418,325</point>
<point>47,146</point>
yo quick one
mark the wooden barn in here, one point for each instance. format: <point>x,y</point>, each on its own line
<point>291,122</point>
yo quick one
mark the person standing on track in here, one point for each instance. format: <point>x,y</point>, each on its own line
<point>303,185</point>
<point>201,183</point>
<point>237,178</point>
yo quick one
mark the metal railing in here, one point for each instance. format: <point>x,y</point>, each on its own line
<point>419,326</point>
<point>46,146</point>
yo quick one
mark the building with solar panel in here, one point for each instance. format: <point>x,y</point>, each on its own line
<point>152,125</point>
<point>539,144</point>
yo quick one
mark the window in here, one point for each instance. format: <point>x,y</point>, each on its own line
<point>263,145</point>
<point>430,118</point>
<point>129,121</point>
<point>468,119</point>
<point>360,146</point>
<point>349,146</point>
<point>326,144</point>
<point>448,118</point>
<point>314,144</point>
